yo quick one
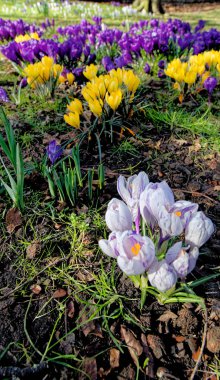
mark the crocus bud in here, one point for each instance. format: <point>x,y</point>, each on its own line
<point>198,230</point>
<point>131,189</point>
<point>162,276</point>
<point>109,247</point>
<point>147,68</point>
<point>152,199</point>
<point>3,96</point>
<point>136,253</point>
<point>118,217</point>
<point>182,261</point>
<point>54,151</point>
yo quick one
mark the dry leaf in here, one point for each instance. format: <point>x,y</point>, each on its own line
<point>35,288</point>
<point>134,346</point>
<point>32,250</point>
<point>59,293</point>
<point>89,367</point>
<point>87,326</point>
<point>165,317</point>
<point>179,338</point>
<point>13,219</point>
<point>114,358</point>
<point>71,309</point>
<point>196,354</point>
<point>156,345</point>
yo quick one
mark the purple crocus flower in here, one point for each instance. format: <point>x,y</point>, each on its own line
<point>130,191</point>
<point>152,199</point>
<point>118,216</point>
<point>147,68</point>
<point>162,276</point>
<point>161,64</point>
<point>198,230</point>
<point>161,74</point>
<point>173,218</point>
<point>109,247</point>
<point>54,151</point>
<point>136,253</point>
<point>3,96</point>
<point>182,261</point>
<point>210,83</point>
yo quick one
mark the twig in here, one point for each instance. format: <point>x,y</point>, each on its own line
<point>196,193</point>
<point>202,345</point>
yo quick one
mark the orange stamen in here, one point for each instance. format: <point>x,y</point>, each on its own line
<point>135,249</point>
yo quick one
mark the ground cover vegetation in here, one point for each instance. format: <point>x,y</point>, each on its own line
<point>109,194</point>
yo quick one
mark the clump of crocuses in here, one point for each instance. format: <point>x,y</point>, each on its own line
<point>152,234</point>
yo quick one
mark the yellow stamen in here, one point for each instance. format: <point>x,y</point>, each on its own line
<point>178,213</point>
<point>136,249</point>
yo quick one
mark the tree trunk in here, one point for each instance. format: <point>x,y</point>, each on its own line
<point>150,6</point>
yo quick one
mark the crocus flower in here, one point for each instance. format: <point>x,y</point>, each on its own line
<point>54,151</point>
<point>173,218</point>
<point>182,261</point>
<point>161,64</point>
<point>210,83</point>
<point>130,192</point>
<point>109,247</point>
<point>152,199</point>
<point>198,230</point>
<point>162,276</point>
<point>3,96</point>
<point>114,99</point>
<point>118,216</point>
<point>136,253</point>
<point>147,68</point>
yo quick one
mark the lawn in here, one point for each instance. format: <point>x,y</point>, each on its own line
<point>109,192</point>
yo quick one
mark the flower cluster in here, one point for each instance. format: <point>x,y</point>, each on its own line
<point>103,92</point>
<point>152,206</point>
<point>202,69</point>
<point>41,72</point>
<point>10,29</point>
<point>95,42</point>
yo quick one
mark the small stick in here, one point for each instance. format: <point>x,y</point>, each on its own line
<point>196,194</point>
<point>203,344</point>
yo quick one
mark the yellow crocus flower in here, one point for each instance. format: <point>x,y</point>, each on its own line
<point>75,106</point>
<point>95,107</point>
<point>131,81</point>
<point>70,78</point>
<point>190,77</point>
<point>27,37</point>
<point>113,85</point>
<point>90,71</point>
<point>72,119</point>
<point>114,99</point>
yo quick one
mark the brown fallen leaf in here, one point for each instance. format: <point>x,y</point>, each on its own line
<point>71,309</point>
<point>89,367</point>
<point>13,219</point>
<point>156,345</point>
<point>114,358</point>
<point>59,293</point>
<point>179,338</point>
<point>35,288</point>
<point>166,316</point>
<point>196,354</point>
<point>213,339</point>
<point>87,326</point>
<point>33,249</point>
<point>134,346</point>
